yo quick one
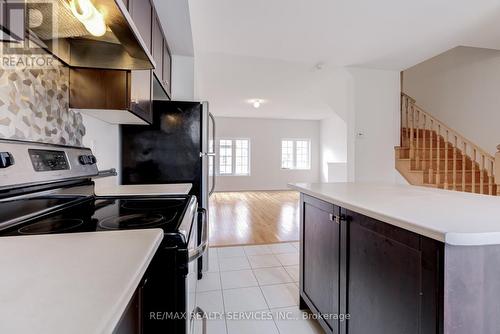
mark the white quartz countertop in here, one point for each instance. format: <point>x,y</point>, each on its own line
<point>143,189</point>
<point>455,218</point>
<point>71,283</point>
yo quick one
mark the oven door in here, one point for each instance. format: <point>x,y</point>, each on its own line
<point>197,321</point>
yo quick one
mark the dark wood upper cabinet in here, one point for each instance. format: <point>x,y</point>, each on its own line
<point>112,90</point>
<point>158,48</point>
<point>98,89</point>
<point>167,69</point>
<point>127,90</point>
<point>141,12</point>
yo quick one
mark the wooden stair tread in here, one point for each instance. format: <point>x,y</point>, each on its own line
<point>422,169</point>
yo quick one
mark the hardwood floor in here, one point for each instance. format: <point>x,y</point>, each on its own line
<point>259,217</point>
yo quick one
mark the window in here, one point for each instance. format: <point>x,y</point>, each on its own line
<point>287,154</point>
<point>211,159</point>
<point>241,155</point>
<point>234,157</point>
<point>225,157</point>
<point>296,154</point>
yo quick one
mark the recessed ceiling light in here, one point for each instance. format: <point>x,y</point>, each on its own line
<point>256,103</point>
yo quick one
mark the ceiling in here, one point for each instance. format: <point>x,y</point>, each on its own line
<point>288,89</point>
<point>268,49</point>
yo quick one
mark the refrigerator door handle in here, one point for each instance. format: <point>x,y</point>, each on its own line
<point>212,154</point>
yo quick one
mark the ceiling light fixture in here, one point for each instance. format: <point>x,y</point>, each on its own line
<point>89,16</point>
<point>256,104</point>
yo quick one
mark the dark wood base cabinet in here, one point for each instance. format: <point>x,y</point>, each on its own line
<point>365,276</point>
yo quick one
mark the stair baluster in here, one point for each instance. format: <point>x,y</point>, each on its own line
<point>481,178</point>
<point>431,157</point>
<point>418,163</point>
<point>490,178</point>
<point>455,145</point>
<point>438,161</point>
<point>407,120</point>
<point>412,134</point>
<point>464,155</point>
<point>474,159</point>
<point>418,141</point>
<point>446,141</point>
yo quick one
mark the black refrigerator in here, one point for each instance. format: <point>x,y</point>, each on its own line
<point>176,148</point>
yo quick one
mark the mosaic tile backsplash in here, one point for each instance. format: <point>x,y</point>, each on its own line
<point>34,105</point>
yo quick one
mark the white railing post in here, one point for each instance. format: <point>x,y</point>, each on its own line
<point>496,170</point>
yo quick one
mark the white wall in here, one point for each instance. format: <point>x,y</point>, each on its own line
<point>265,157</point>
<point>333,146</point>
<point>104,140</point>
<point>373,125</point>
<point>461,88</point>
<point>182,78</point>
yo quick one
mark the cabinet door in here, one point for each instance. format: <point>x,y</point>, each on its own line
<point>158,48</point>
<point>393,279</point>
<point>320,256</point>
<point>167,69</point>
<point>141,94</point>
<point>142,13</point>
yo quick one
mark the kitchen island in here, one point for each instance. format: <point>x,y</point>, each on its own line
<point>72,283</point>
<point>400,259</point>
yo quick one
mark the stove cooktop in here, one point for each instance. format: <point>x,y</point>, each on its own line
<point>97,214</point>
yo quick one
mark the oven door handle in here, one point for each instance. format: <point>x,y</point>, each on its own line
<point>202,247</point>
<point>200,313</point>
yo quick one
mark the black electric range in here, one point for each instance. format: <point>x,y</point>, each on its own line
<point>88,214</point>
<point>46,189</point>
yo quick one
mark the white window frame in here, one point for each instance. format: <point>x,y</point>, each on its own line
<point>294,150</point>
<point>233,156</point>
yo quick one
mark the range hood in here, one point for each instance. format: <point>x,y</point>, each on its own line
<point>66,37</point>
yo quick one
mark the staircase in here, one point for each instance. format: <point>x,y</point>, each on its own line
<point>433,155</point>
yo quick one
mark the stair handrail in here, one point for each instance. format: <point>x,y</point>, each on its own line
<point>413,117</point>
<point>449,128</point>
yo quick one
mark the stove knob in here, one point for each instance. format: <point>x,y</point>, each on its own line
<point>87,159</point>
<point>6,159</point>
<point>84,159</point>
<point>92,159</point>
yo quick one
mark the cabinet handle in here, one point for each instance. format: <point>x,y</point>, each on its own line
<point>335,218</point>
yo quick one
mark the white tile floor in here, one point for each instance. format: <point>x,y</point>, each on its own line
<point>259,281</point>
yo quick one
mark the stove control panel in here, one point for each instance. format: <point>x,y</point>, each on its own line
<point>48,160</point>
<point>42,163</point>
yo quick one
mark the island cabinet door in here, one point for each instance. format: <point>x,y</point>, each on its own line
<point>394,279</point>
<point>320,242</point>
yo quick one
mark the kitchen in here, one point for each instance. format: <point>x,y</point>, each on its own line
<point>159,175</point>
